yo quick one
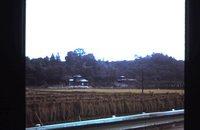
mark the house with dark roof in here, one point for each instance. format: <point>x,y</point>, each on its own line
<point>122,81</point>
<point>78,81</point>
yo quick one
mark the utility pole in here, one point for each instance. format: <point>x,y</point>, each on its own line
<point>142,79</point>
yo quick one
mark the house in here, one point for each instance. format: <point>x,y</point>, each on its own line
<point>122,81</point>
<point>77,81</point>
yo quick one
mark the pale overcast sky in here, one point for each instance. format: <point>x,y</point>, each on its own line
<point>110,29</point>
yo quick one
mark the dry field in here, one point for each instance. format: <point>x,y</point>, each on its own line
<point>119,90</point>
<point>48,106</point>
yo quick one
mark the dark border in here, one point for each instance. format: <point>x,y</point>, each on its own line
<point>192,64</point>
<point>12,95</point>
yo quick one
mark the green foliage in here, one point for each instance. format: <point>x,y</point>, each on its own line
<point>57,58</point>
<point>158,69</point>
<point>79,51</point>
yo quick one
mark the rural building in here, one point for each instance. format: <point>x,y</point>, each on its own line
<point>78,81</point>
<point>122,81</point>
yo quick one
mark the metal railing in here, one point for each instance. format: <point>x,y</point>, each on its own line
<point>112,119</point>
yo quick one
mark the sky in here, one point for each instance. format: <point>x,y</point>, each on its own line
<point>110,29</point>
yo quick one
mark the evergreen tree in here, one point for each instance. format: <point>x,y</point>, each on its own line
<point>57,57</point>
<point>52,58</point>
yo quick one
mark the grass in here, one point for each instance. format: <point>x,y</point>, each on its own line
<point>63,105</point>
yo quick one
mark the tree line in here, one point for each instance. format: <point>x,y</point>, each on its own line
<point>158,70</point>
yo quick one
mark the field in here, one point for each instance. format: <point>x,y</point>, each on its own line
<point>51,105</point>
<point>119,90</point>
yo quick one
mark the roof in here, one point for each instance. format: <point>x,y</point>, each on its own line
<point>71,79</point>
<point>77,75</point>
<point>79,79</point>
<point>84,80</point>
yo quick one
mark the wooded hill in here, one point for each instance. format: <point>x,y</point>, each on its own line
<point>158,70</point>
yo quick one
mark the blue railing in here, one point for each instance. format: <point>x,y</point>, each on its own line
<point>112,119</point>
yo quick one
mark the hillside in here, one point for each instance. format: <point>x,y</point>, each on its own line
<point>157,70</point>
